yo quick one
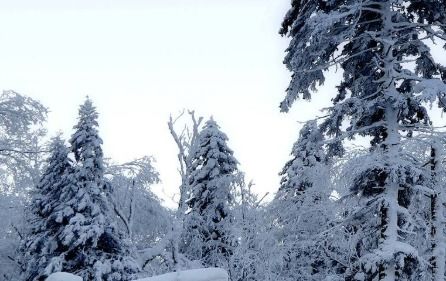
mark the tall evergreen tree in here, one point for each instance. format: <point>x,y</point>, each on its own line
<point>207,235</point>
<point>381,96</point>
<point>43,250</point>
<point>95,249</point>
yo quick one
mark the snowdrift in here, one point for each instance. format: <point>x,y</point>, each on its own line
<point>63,276</point>
<point>202,274</point>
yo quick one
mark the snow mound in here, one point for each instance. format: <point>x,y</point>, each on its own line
<point>202,274</point>
<point>63,276</point>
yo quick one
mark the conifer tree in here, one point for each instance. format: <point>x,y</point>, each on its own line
<point>309,158</point>
<point>207,235</point>
<point>43,250</point>
<point>302,208</point>
<point>381,96</point>
<point>95,249</point>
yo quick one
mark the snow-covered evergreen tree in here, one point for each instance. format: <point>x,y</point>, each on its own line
<point>305,167</point>
<point>302,209</point>
<point>430,199</point>
<point>95,249</point>
<point>388,73</point>
<point>43,248</point>
<point>213,175</point>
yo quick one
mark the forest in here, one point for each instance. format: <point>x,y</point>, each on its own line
<point>343,211</point>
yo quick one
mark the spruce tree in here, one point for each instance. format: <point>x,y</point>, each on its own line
<point>388,75</point>
<point>207,235</point>
<point>43,250</point>
<point>95,249</point>
<point>308,158</point>
<point>302,208</point>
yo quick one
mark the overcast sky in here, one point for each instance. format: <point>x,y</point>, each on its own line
<point>142,60</point>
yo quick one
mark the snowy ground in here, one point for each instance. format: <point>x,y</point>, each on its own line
<point>202,274</point>
<point>63,276</point>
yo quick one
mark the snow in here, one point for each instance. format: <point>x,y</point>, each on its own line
<point>202,274</point>
<point>63,276</point>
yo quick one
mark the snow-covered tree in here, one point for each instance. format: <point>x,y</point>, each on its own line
<point>306,166</point>
<point>214,174</point>
<point>94,246</point>
<point>20,124</point>
<point>185,140</point>
<point>302,209</point>
<point>255,253</point>
<point>388,75</point>
<point>21,133</point>
<point>87,242</point>
<point>429,201</point>
<point>21,153</point>
<point>43,250</point>
<point>437,218</point>
<point>141,215</point>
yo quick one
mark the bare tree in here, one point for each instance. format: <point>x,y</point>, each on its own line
<point>185,141</point>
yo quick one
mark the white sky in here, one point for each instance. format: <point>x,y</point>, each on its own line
<point>142,60</point>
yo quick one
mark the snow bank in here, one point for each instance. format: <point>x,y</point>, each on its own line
<point>63,276</point>
<point>202,274</point>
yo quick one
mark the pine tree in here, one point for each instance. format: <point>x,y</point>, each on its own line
<point>43,250</point>
<point>303,209</point>
<point>300,172</point>
<point>207,235</point>
<point>381,96</point>
<point>92,246</point>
